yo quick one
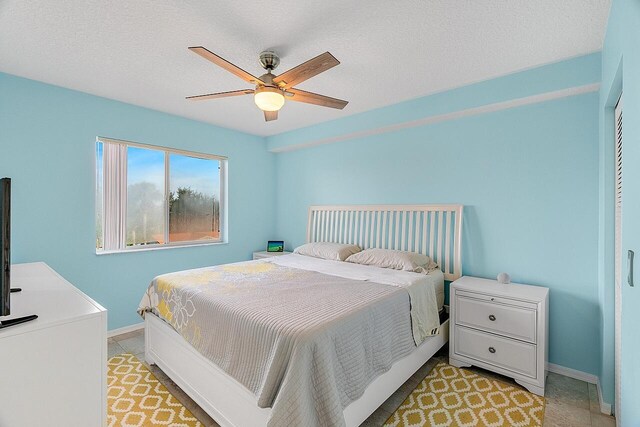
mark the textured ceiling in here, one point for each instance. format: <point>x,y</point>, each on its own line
<point>136,51</point>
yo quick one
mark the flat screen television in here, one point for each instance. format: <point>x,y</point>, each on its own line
<point>5,258</point>
<point>5,246</point>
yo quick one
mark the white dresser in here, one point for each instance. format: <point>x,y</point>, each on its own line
<point>52,369</point>
<point>501,328</point>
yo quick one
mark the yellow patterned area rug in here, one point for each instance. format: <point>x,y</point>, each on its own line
<point>450,396</point>
<point>136,398</point>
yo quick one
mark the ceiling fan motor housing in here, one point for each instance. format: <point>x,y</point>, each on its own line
<point>269,60</point>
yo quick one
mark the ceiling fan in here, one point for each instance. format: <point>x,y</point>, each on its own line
<point>271,90</point>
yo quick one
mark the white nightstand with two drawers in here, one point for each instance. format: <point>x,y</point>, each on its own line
<point>503,328</point>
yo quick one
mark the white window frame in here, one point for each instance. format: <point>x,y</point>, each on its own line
<point>120,245</point>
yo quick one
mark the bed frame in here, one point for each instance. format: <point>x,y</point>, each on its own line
<point>433,230</point>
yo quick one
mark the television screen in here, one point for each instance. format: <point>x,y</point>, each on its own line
<point>275,246</point>
<point>5,234</point>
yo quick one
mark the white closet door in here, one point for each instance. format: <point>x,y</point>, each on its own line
<point>618,254</point>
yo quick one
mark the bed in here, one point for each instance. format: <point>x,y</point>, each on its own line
<point>334,341</point>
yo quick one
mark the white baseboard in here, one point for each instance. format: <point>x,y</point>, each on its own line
<point>572,373</point>
<point>605,407</point>
<point>124,330</point>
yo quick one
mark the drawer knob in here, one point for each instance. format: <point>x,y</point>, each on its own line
<point>492,317</point>
<point>492,350</point>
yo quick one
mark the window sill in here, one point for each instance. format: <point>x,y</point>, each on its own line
<point>160,248</point>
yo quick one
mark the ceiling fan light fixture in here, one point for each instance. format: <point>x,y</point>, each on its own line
<point>269,98</point>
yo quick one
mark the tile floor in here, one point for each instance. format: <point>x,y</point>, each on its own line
<point>570,402</point>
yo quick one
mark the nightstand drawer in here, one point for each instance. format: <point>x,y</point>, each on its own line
<point>496,317</point>
<point>502,352</point>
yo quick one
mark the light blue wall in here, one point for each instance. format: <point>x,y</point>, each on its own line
<point>47,137</point>
<point>621,73</point>
<point>521,173</point>
<point>528,178</point>
<point>580,71</point>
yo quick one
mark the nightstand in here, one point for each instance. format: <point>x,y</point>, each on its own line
<point>265,254</point>
<point>501,328</point>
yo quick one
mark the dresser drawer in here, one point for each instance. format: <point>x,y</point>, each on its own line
<point>497,317</point>
<point>502,352</point>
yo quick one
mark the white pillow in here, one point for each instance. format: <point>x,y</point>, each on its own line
<point>397,260</point>
<point>325,250</point>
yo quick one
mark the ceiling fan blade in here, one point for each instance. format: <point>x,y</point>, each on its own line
<point>306,70</point>
<point>313,98</point>
<point>221,62</point>
<point>270,115</point>
<point>220,95</point>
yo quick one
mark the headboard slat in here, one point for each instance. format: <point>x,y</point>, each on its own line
<point>447,243</point>
<point>405,216</point>
<point>397,231</point>
<point>398,227</point>
<point>410,233</point>
<point>366,228</point>
<point>439,238</point>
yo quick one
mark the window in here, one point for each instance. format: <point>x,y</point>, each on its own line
<point>148,196</point>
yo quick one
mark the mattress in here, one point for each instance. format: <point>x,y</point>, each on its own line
<point>306,336</point>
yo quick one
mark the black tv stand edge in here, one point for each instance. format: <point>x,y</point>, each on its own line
<point>17,321</point>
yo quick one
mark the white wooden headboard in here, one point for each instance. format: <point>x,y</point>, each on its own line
<point>433,230</point>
